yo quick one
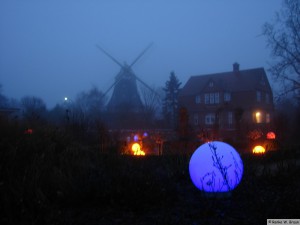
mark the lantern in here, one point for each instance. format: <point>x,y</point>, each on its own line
<point>216,167</point>
<point>258,149</point>
<point>271,135</point>
<point>136,148</point>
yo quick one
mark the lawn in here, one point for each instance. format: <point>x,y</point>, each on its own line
<point>44,181</point>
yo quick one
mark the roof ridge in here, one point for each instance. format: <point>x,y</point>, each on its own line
<point>226,72</point>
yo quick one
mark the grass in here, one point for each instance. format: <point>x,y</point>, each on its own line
<point>47,178</point>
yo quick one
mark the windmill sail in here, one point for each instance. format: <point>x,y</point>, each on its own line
<point>125,96</point>
<point>125,108</point>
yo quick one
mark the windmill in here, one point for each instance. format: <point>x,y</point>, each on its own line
<point>125,96</point>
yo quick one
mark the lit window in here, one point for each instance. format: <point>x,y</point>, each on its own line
<point>196,119</point>
<point>198,99</point>
<point>230,118</point>
<point>258,117</point>
<point>206,96</point>
<point>211,98</point>
<point>210,119</point>
<point>227,97</point>
<point>258,96</point>
<point>268,118</point>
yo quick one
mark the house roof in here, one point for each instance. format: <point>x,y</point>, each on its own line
<point>233,81</point>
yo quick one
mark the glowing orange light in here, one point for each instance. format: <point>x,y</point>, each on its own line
<point>258,117</point>
<point>259,150</point>
<point>136,148</point>
<point>271,135</point>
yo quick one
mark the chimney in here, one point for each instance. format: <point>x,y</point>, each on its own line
<point>236,67</point>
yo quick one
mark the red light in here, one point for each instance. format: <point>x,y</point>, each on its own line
<point>28,131</point>
<point>271,135</point>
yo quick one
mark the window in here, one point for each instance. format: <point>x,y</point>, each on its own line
<point>230,118</point>
<point>198,99</point>
<point>227,97</point>
<point>206,96</point>
<point>211,98</point>
<point>196,119</point>
<point>258,96</point>
<point>217,98</point>
<point>258,117</point>
<point>211,84</point>
<point>210,119</point>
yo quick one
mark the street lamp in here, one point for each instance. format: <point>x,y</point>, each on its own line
<point>67,102</point>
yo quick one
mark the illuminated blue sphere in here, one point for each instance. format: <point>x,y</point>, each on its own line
<point>136,137</point>
<point>216,167</point>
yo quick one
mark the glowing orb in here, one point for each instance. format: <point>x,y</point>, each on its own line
<point>136,137</point>
<point>258,150</point>
<point>271,135</point>
<point>136,148</point>
<point>216,167</point>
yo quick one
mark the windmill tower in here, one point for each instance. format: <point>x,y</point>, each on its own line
<point>125,96</point>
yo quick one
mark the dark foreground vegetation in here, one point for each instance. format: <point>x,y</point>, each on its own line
<point>46,177</point>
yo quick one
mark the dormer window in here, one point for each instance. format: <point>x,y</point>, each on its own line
<point>211,84</point>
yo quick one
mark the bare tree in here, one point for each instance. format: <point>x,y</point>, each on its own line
<point>283,37</point>
<point>91,102</point>
<point>86,110</point>
<point>151,100</point>
<point>34,108</point>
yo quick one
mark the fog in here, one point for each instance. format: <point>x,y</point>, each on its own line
<point>48,48</point>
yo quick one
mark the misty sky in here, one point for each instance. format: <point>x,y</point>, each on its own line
<point>48,47</point>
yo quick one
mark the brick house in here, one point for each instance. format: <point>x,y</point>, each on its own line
<point>228,105</point>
